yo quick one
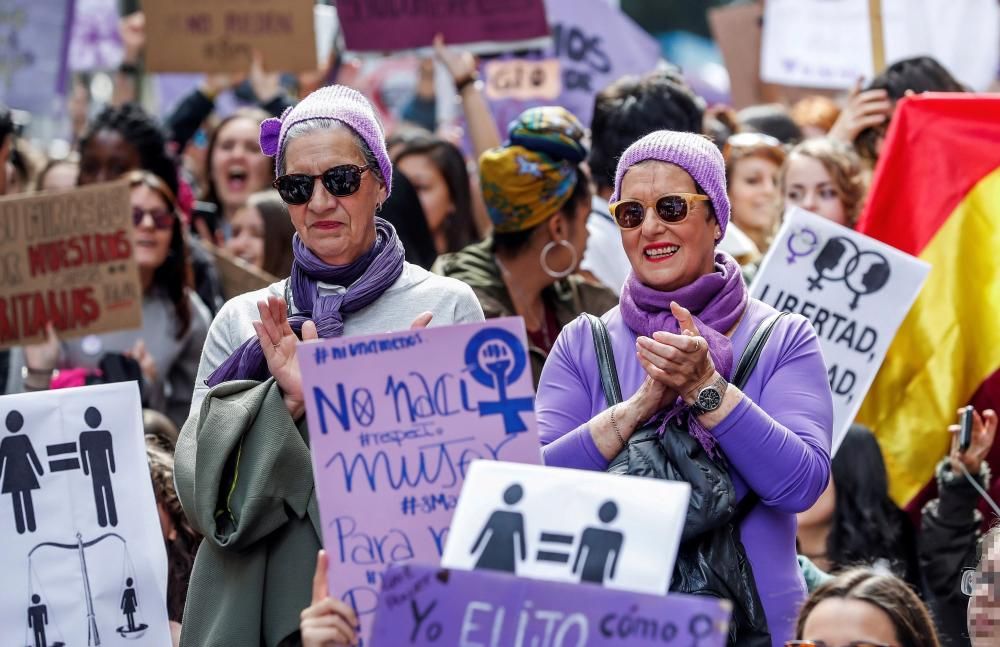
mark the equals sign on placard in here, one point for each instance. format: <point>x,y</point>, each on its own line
<point>558,557</point>
<point>62,464</point>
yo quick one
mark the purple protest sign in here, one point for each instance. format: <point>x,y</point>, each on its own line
<point>596,44</point>
<point>34,38</point>
<point>395,420</point>
<point>495,25</point>
<point>429,606</point>
<point>94,42</point>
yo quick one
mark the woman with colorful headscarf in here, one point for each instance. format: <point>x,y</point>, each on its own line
<point>538,196</point>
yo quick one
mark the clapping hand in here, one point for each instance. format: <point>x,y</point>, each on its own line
<point>278,342</point>
<point>681,362</point>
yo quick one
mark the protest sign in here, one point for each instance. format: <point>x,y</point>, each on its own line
<point>523,79</point>
<point>482,25</point>
<point>425,606</point>
<point>83,553</point>
<point>221,36</point>
<point>855,290</point>
<point>67,258</point>
<point>94,42</point>
<point>518,519</point>
<point>596,44</point>
<point>394,422</point>
<point>34,37</point>
<point>238,276</point>
<point>828,43</point>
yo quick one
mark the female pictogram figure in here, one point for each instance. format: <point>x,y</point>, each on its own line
<point>504,536</point>
<point>129,604</point>
<point>18,467</point>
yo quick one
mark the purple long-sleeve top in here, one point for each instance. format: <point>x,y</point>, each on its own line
<point>777,439</point>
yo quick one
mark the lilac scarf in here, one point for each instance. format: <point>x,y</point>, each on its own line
<point>367,278</point>
<point>716,302</point>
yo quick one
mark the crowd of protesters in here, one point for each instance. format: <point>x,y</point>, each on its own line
<point>652,217</point>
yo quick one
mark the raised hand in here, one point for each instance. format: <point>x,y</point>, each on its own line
<point>132,29</point>
<point>326,622</point>
<point>44,355</point>
<point>984,432</point>
<point>145,360</point>
<point>863,110</point>
<point>278,342</point>
<point>266,85</point>
<point>461,65</point>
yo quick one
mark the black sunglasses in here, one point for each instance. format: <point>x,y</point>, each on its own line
<point>671,208</point>
<point>341,181</point>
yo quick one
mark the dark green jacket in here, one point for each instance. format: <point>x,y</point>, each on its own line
<point>244,477</point>
<point>568,298</point>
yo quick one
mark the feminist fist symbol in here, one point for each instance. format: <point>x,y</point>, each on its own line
<point>496,359</point>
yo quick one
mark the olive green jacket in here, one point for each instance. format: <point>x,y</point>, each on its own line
<point>570,297</point>
<point>244,477</point>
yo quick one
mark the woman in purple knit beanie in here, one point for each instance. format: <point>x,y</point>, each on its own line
<point>242,464</point>
<point>683,321</point>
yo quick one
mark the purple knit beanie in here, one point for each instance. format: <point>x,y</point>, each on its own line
<point>339,102</point>
<point>694,153</point>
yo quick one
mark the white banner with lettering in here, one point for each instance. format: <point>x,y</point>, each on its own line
<point>854,289</point>
<point>827,43</point>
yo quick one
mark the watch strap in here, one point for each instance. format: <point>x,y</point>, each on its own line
<point>720,384</point>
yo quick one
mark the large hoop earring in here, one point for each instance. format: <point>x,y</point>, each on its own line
<point>543,259</point>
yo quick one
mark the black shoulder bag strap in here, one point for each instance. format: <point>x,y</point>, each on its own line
<point>748,361</point>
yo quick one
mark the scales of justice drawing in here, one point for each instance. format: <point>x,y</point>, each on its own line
<point>43,624</point>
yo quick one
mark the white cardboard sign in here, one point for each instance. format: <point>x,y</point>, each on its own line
<point>855,290</point>
<point>83,553</point>
<point>827,43</point>
<point>565,525</point>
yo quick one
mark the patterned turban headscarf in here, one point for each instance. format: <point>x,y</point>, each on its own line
<point>530,178</point>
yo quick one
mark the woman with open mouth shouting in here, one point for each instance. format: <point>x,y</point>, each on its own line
<point>666,379</point>
<point>236,166</point>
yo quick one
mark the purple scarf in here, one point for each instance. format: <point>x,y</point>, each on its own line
<point>716,302</point>
<point>367,278</point>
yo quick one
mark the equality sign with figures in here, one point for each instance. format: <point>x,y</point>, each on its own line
<point>83,556</point>
<point>854,289</point>
<point>395,421</point>
<point>517,519</point>
<point>424,606</point>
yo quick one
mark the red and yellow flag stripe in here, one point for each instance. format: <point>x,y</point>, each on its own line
<point>936,195</point>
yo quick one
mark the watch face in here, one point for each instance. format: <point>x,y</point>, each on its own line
<point>709,399</point>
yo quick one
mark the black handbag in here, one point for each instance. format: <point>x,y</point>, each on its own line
<point>712,560</point>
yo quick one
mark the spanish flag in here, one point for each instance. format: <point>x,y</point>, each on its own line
<point>936,195</point>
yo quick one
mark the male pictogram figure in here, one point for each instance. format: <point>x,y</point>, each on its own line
<point>18,467</point>
<point>97,458</point>
<point>597,557</point>
<point>38,617</point>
